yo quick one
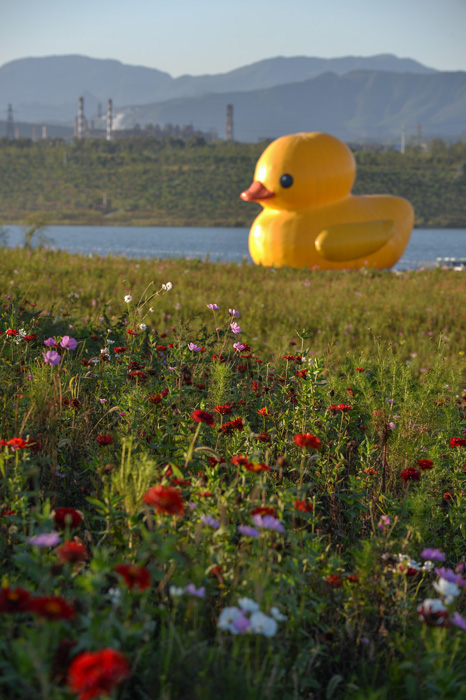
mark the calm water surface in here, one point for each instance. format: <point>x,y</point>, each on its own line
<point>220,244</point>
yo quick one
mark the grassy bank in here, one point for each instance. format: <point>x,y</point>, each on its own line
<point>176,183</point>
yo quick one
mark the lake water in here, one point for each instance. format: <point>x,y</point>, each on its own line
<point>220,244</point>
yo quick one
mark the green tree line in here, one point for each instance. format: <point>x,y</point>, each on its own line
<point>193,183</point>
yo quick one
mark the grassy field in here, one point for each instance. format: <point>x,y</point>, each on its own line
<point>263,500</point>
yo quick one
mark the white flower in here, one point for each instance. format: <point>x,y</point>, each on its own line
<point>128,298</point>
<point>167,286</point>
<point>151,310</point>
<point>176,591</point>
<point>444,587</point>
<point>277,615</point>
<point>142,326</point>
<point>22,332</point>
<point>248,605</point>
<point>114,595</point>
<point>432,611</point>
<point>110,341</point>
<point>227,617</point>
<point>263,624</point>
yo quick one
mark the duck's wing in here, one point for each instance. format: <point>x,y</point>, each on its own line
<point>343,242</point>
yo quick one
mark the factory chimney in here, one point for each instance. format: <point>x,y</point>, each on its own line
<point>80,133</point>
<point>109,120</point>
<point>229,124</point>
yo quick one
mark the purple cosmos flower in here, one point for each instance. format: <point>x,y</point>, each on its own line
<point>459,621</point>
<point>210,521</point>
<point>30,376</point>
<point>45,539</point>
<point>68,343</point>
<point>268,522</point>
<point>191,589</point>
<point>238,346</point>
<point>392,425</point>
<point>233,312</point>
<point>194,348</point>
<point>433,554</point>
<point>450,576</point>
<point>50,342</point>
<point>213,307</point>
<point>384,521</point>
<point>241,624</point>
<point>248,531</point>
<point>52,358</point>
<point>235,328</point>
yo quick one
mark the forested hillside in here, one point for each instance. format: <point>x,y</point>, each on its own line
<point>172,182</point>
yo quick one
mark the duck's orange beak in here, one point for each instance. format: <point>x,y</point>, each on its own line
<point>256,192</point>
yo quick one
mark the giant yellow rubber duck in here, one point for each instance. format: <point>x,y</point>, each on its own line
<point>311,219</point>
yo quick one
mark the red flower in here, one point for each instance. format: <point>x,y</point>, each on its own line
<point>352,578</point>
<point>410,474</point>
<point>130,332</point>
<point>239,460</point>
<point>424,464</point>
<point>104,439</point>
<point>257,468</point>
<point>359,369</point>
<point>264,510</point>
<point>302,373</point>
<point>134,575</point>
<point>231,426</point>
<point>202,417</point>
<point>223,410</point>
<point>458,442</point>
<point>340,408</point>
<point>263,411</point>
<point>67,516</point>
<point>263,437</point>
<point>370,471</point>
<point>307,440</point>
<point>52,607</point>
<point>334,581</point>
<point>165,500</point>
<point>137,374</point>
<point>303,505</point>
<point>72,552</point>
<point>119,349</point>
<point>12,332</point>
<point>14,600</point>
<point>17,443</point>
<point>97,673</point>
<point>30,337</point>
<point>447,496</point>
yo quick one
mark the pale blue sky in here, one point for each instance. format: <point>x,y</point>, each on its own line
<point>213,36</point>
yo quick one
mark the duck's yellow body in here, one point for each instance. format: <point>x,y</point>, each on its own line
<point>311,219</point>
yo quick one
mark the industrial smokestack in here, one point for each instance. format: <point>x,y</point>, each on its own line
<point>229,124</point>
<point>109,120</point>
<point>80,118</point>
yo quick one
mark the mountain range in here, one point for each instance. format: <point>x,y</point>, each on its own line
<point>353,97</point>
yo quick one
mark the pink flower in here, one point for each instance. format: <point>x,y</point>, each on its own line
<point>52,358</point>
<point>235,328</point>
<point>68,343</point>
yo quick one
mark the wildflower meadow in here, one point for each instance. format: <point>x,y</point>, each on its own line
<point>223,481</point>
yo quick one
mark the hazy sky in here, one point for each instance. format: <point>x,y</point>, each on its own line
<point>213,36</point>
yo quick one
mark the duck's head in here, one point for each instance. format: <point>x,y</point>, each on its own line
<point>302,171</point>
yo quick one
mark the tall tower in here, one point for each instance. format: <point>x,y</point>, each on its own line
<point>109,120</point>
<point>10,126</point>
<point>229,124</point>
<point>80,133</point>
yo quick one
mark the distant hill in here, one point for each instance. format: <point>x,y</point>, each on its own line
<point>47,89</point>
<point>354,106</point>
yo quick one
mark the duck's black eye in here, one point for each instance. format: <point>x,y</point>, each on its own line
<point>286,180</point>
